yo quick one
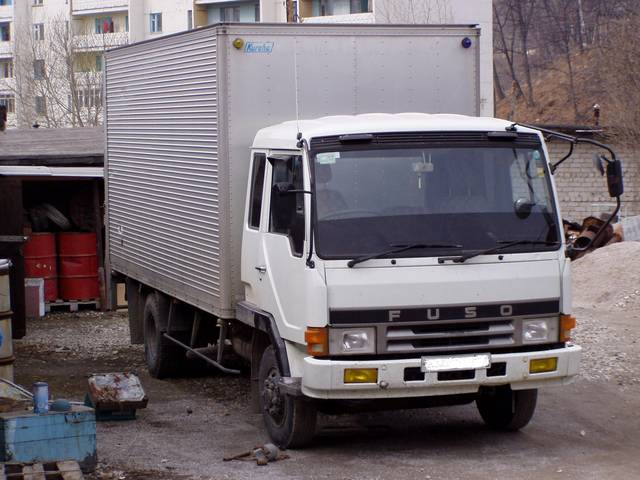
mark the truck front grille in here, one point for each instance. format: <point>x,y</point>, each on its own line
<point>445,336</point>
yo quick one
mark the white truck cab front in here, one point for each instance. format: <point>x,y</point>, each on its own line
<point>409,255</point>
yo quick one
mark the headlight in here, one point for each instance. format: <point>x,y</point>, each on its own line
<point>540,330</point>
<point>349,341</point>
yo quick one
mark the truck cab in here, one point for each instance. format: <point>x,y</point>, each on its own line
<point>406,256</point>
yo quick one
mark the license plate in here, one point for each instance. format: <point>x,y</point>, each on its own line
<point>454,363</point>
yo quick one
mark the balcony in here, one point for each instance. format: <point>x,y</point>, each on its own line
<point>99,41</point>
<point>6,13</point>
<point>6,49</point>
<point>92,7</point>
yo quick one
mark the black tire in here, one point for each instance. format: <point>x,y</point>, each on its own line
<point>164,358</point>
<point>290,421</point>
<point>508,410</point>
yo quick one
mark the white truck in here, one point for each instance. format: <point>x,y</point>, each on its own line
<point>256,204</point>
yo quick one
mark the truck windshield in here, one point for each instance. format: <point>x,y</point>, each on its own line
<point>472,199</point>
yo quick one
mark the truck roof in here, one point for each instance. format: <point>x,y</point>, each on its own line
<point>283,135</point>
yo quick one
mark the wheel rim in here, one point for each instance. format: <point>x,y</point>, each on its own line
<point>272,399</point>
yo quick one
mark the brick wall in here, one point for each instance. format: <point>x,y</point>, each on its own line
<point>581,189</point>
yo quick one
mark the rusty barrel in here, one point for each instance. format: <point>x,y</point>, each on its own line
<point>6,342</point>
<point>40,262</point>
<point>77,254</point>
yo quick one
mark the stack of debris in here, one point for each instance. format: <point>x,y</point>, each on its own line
<point>586,234</point>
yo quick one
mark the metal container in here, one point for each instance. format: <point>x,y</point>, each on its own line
<point>178,137</point>
<point>77,254</point>
<point>40,397</point>
<point>6,342</point>
<point>40,261</point>
<point>31,438</point>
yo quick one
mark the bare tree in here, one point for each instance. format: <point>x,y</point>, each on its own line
<point>413,11</point>
<point>58,74</point>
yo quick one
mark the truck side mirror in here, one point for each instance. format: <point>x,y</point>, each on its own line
<point>614,178</point>
<point>523,207</point>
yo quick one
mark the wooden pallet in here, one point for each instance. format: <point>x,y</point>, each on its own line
<point>70,305</point>
<point>67,470</point>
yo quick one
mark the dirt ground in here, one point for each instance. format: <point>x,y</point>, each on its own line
<point>588,430</point>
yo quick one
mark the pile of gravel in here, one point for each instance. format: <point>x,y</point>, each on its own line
<point>606,299</point>
<point>608,278</point>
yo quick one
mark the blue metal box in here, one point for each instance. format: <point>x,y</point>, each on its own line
<point>49,437</point>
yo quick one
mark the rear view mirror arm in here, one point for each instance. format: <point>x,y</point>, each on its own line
<point>614,162</point>
<point>554,166</point>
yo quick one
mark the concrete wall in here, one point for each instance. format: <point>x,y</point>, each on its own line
<point>174,17</point>
<point>581,189</point>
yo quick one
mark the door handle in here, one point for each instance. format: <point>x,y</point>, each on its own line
<point>261,268</point>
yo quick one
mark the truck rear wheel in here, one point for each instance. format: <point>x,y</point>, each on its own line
<point>290,421</point>
<point>164,358</point>
<point>504,409</point>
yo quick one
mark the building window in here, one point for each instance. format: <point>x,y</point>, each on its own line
<point>89,98</point>
<point>6,69</point>
<point>257,12</point>
<point>99,63</point>
<point>5,2</point>
<point>189,19</point>
<point>126,23</point>
<point>8,101</point>
<point>156,22</point>
<point>38,31</point>
<point>38,2</point>
<point>230,14</point>
<point>5,32</point>
<point>104,25</point>
<point>38,69</point>
<point>41,105</point>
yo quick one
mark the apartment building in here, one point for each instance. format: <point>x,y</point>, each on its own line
<point>37,35</point>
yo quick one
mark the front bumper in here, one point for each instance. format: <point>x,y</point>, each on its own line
<point>324,378</point>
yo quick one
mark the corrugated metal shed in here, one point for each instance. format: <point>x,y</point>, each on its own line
<point>52,146</point>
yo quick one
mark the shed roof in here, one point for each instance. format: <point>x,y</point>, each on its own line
<point>52,146</point>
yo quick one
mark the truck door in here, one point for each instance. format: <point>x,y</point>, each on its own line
<point>282,264</point>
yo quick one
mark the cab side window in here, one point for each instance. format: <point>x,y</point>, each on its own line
<point>287,209</point>
<point>257,186</point>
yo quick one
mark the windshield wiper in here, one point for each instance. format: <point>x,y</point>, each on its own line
<point>398,249</point>
<point>501,245</point>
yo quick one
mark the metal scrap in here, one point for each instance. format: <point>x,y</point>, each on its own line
<point>262,454</point>
<point>116,392</point>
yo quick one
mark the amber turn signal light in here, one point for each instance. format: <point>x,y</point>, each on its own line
<point>567,323</point>
<point>317,341</point>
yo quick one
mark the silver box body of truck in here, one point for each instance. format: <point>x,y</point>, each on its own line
<point>182,111</point>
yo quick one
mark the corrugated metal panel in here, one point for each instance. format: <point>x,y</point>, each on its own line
<point>163,170</point>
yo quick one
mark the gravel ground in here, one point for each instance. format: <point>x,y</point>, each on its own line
<point>587,430</point>
<point>606,298</point>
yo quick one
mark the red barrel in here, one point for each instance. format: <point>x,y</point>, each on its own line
<point>40,262</point>
<point>78,266</point>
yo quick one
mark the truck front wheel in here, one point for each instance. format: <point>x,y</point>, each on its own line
<point>504,409</point>
<point>290,421</point>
